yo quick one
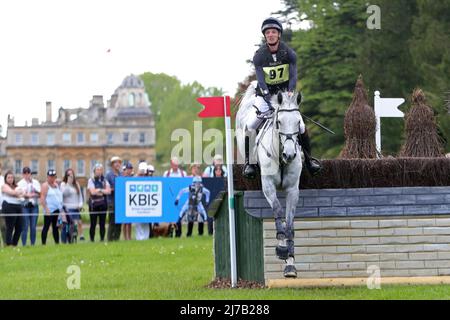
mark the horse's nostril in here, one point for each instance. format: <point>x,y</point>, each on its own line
<point>295,155</point>
<point>284,154</point>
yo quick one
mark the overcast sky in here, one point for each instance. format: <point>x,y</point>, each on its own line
<point>53,50</point>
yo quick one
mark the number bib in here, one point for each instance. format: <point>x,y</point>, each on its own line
<point>276,75</point>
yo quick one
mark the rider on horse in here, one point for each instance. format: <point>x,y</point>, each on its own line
<point>193,205</point>
<point>276,70</point>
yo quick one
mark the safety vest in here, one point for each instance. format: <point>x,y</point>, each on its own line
<point>195,195</point>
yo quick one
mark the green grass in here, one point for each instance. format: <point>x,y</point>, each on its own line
<point>153,269</point>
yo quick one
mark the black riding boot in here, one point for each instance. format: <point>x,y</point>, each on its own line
<point>249,169</point>
<point>178,230</point>
<point>313,165</point>
<point>190,227</point>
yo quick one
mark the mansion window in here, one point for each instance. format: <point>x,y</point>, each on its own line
<point>142,137</point>
<point>50,139</point>
<point>18,167</point>
<point>81,168</point>
<point>110,138</point>
<point>80,137</point>
<point>66,165</point>
<point>51,165</point>
<point>34,139</point>
<point>19,139</point>
<point>126,137</point>
<point>131,100</point>
<point>94,137</point>
<point>67,138</point>
<point>34,166</point>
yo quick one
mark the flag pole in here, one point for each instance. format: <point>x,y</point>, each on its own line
<point>231,216</point>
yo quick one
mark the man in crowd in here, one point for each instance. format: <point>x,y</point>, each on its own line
<point>127,172</point>
<point>175,171</point>
<point>114,229</point>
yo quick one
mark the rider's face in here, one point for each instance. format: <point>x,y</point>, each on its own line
<point>272,36</point>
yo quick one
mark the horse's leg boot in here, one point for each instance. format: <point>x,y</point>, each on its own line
<point>249,169</point>
<point>282,250</point>
<point>312,165</point>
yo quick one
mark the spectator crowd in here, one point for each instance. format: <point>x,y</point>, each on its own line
<point>61,203</point>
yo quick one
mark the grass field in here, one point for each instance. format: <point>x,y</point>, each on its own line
<point>153,269</point>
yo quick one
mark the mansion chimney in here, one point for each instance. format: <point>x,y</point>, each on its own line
<point>48,117</point>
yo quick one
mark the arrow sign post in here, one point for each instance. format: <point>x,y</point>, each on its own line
<point>385,108</point>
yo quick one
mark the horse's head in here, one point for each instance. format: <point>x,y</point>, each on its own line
<point>287,124</point>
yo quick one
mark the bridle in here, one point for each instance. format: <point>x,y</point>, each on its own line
<point>289,136</point>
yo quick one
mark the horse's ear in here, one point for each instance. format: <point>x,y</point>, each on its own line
<point>299,98</point>
<point>280,98</point>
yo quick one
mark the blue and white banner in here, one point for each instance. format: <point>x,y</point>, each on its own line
<point>148,199</point>
<point>152,199</point>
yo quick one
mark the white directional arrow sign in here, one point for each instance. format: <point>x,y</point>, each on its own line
<point>386,108</point>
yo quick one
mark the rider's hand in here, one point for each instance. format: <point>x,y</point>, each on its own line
<point>290,94</point>
<point>176,202</point>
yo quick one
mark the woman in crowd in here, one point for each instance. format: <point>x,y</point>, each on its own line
<point>98,188</point>
<point>72,201</point>
<point>31,188</point>
<point>12,209</point>
<point>195,170</point>
<point>209,170</point>
<point>52,204</point>
<point>218,171</point>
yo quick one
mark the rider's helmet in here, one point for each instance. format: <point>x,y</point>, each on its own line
<point>271,23</point>
<point>197,179</point>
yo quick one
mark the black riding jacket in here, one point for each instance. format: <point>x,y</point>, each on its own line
<point>275,75</point>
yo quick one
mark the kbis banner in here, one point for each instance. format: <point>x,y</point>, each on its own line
<point>148,199</point>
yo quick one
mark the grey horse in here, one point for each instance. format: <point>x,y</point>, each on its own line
<point>277,152</point>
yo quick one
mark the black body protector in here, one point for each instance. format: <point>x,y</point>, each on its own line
<point>276,71</point>
<point>195,197</point>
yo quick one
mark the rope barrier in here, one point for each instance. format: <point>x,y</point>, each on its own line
<point>15,214</point>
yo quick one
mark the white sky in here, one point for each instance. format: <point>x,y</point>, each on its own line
<point>53,50</point>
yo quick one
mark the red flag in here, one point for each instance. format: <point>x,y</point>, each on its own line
<point>214,107</point>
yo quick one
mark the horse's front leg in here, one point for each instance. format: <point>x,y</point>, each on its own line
<point>270,192</point>
<point>291,203</point>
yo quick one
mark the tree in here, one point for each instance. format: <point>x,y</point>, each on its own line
<point>430,49</point>
<point>327,66</point>
<point>175,107</point>
<point>388,65</point>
